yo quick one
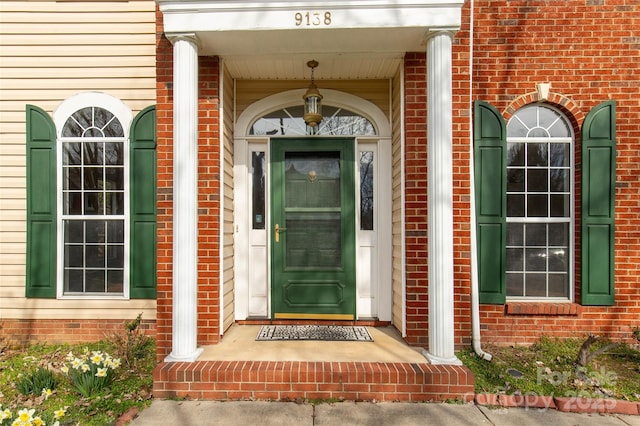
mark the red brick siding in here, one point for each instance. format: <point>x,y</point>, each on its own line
<point>209,213</point>
<point>589,54</point>
<point>415,158</point>
<point>17,332</point>
<point>164,129</point>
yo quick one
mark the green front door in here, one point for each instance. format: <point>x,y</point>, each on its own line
<point>312,228</point>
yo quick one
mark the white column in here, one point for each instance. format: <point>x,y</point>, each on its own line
<point>440,196</point>
<point>185,200</point>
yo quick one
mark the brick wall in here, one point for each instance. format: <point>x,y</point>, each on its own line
<point>589,52</point>
<point>164,129</point>
<point>18,332</point>
<point>415,158</point>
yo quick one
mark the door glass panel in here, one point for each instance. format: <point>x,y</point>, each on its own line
<point>258,177</point>
<point>312,210</point>
<point>366,190</point>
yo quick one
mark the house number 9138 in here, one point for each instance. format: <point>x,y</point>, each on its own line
<point>312,19</point>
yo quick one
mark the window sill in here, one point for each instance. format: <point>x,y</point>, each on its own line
<point>542,308</point>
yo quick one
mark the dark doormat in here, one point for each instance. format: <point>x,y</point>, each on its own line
<point>314,332</point>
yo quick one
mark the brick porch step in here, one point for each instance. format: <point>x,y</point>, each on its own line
<point>290,380</point>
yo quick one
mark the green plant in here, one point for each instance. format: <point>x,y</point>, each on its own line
<point>91,372</point>
<point>27,417</point>
<point>131,345</point>
<point>36,381</point>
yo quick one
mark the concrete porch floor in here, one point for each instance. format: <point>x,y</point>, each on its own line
<point>239,343</point>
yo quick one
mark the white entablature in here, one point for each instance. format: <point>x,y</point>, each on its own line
<point>264,28</point>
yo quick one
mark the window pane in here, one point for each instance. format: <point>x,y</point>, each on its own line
<point>72,203</point>
<point>558,285</point>
<point>515,284</point>
<point>558,234</point>
<point>115,178</point>
<point>93,203</point>
<point>71,153</point>
<point>115,256</point>
<point>74,231</point>
<point>95,256</point>
<point>115,203</point>
<point>92,154</point>
<point>95,231</point>
<point>115,279</point>
<point>536,234</point>
<point>366,190</point>
<point>258,175</point>
<point>115,231</point>
<point>536,285</point>
<point>537,180</point>
<point>515,180</point>
<point>515,234</point>
<point>72,178</point>
<point>535,260</point>
<point>515,259</point>
<point>113,154</point>
<point>537,205</point>
<point>560,205</point>
<point>94,281</point>
<point>537,154</point>
<point>559,180</point>
<point>73,280</point>
<point>515,205</point>
<point>560,155</point>
<point>557,260</point>
<point>515,156</point>
<point>93,177</point>
<point>336,121</point>
<point>73,256</point>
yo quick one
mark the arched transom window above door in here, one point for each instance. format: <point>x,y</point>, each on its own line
<point>289,122</point>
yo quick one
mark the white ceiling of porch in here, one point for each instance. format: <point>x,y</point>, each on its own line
<point>331,66</point>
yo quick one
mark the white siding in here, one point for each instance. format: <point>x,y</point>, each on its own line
<point>397,200</point>
<point>227,215</point>
<point>50,51</point>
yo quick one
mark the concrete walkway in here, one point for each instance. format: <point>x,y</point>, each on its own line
<point>256,413</point>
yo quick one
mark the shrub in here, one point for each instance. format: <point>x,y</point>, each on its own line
<point>91,372</point>
<point>36,381</point>
<point>131,344</point>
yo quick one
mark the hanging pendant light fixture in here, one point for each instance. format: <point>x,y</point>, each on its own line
<point>312,102</point>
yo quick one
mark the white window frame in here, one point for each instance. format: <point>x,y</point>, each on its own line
<point>60,116</point>
<point>547,220</point>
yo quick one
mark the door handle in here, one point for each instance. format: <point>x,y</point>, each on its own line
<point>278,231</point>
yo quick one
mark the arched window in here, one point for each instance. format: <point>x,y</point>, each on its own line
<point>289,122</point>
<point>539,204</point>
<point>93,202</point>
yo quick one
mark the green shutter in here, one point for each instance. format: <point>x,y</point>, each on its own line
<point>41,204</point>
<point>143,205</point>
<point>491,200</point>
<point>598,200</point>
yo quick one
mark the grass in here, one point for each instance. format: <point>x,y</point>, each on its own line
<point>548,368</point>
<point>131,385</point>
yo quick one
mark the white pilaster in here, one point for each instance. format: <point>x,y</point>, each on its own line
<point>185,199</point>
<point>440,196</point>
